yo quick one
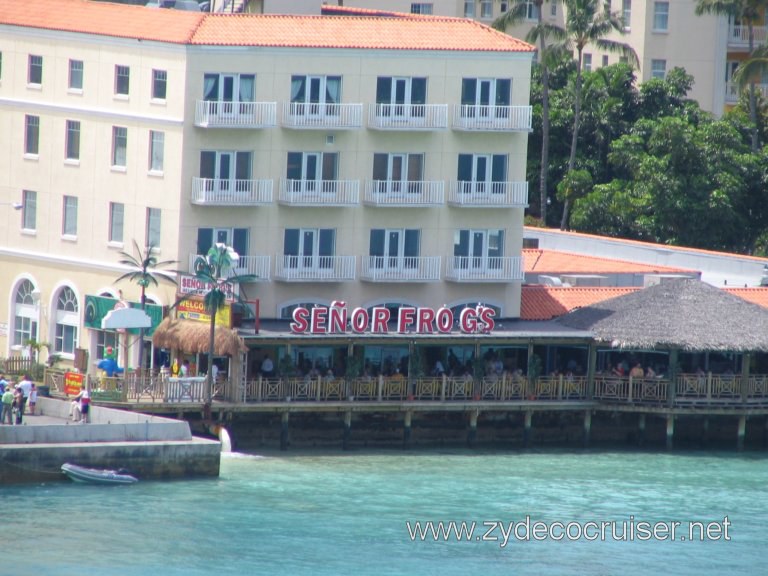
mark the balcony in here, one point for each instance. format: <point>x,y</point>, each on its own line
<point>319,192</point>
<point>484,269</point>
<point>407,117</point>
<point>221,114</point>
<point>314,268</point>
<point>492,118</point>
<point>401,268</point>
<point>309,116</point>
<point>488,194</point>
<point>404,194</point>
<point>247,265</point>
<point>732,91</point>
<point>216,192</point>
<point>738,36</point>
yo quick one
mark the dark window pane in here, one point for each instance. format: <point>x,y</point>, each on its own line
<point>207,164</point>
<point>294,166</point>
<point>329,166</point>
<point>468,87</point>
<point>418,91</point>
<point>380,166</point>
<point>291,242</point>
<point>204,240</point>
<point>499,168</point>
<point>240,241</point>
<point>383,90</point>
<point>243,166</point>
<point>503,92</point>
<point>411,243</point>
<point>327,237</point>
<point>465,167</point>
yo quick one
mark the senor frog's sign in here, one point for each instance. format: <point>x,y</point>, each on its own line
<point>189,285</point>
<point>337,319</point>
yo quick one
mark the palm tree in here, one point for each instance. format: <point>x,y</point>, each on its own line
<point>540,33</point>
<point>145,271</point>
<point>748,11</point>
<point>215,269</point>
<point>589,22</point>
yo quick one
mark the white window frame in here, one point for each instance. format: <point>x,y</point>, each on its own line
<point>26,314</point>
<point>35,70</point>
<point>156,151</point>
<point>29,211</point>
<point>31,135</point>
<point>116,222</point>
<point>154,221</point>
<point>659,69</point>
<point>159,85</point>
<point>72,141</point>
<point>67,323</point>
<point>119,147</point>
<point>75,78</point>
<point>661,17</point>
<point>626,14</point>
<point>69,216</point>
<point>122,80</point>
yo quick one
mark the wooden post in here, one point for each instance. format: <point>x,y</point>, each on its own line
<point>587,427</point>
<point>380,393</point>
<point>407,429</point>
<point>591,369</point>
<point>284,431</point>
<point>672,372</point>
<point>745,360</point>
<point>705,433</point>
<point>472,433</point>
<point>641,430</point>
<point>741,433</point>
<point>259,391</point>
<point>442,387</point>
<point>670,430</point>
<point>347,430</point>
<point>527,428</point>
<point>560,387</point>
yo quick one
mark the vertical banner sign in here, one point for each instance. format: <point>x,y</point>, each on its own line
<point>73,383</point>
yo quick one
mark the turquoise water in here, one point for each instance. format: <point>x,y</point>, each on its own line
<point>346,514</point>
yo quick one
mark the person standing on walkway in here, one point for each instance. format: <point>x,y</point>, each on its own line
<point>26,389</point>
<point>6,416</point>
<point>32,400</point>
<point>18,403</point>
<point>3,383</point>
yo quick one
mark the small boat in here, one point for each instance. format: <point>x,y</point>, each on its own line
<point>97,476</point>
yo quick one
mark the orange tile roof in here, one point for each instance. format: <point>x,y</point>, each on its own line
<point>182,27</point>
<point>547,302</point>
<point>556,262</point>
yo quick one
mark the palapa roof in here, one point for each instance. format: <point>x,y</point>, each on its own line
<point>193,337</point>
<point>685,314</point>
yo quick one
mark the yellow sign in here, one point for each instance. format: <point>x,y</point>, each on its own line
<point>192,309</point>
<point>73,383</point>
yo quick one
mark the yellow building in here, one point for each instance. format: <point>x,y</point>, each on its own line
<point>364,159</point>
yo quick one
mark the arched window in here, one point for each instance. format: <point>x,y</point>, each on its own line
<point>459,307</point>
<point>286,312</point>
<point>25,314</point>
<point>67,322</point>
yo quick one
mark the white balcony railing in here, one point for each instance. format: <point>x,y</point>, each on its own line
<point>319,192</point>
<point>732,91</point>
<point>322,116</point>
<point>401,268</point>
<point>216,192</point>
<point>484,269</point>
<point>258,266</point>
<point>738,35</point>
<point>485,194</point>
<point>314,268</point>
<point>492,118</point>
<point>408,116</point>
<point>398,193</point>
<point>221,114</point>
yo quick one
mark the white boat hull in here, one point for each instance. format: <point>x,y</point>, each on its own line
<point>96,476</point>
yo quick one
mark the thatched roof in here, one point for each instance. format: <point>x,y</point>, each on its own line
<point>194,337</point>
<point>685,314</point>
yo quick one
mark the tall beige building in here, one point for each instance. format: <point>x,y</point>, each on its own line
<point>378,161</point>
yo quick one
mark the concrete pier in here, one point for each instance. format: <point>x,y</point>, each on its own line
<point>641,430</point>
<point>742,432</point>
<point>587,427</point>
<point>527,428</point>
<point>284,430</point>
<point>407,429</point>
<point>347,430</point>
<point>472,432</point>
<point>670,430</point>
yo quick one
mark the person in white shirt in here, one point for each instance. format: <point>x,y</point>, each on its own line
<point>267,367</point>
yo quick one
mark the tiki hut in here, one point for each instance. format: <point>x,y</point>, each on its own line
<point>683,314</point>
<point>193,337</point>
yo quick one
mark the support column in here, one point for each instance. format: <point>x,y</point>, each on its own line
<point>472,433</point>
<point>407,429</point>
<point>672,373</point>
<point>527,428</point>
<point>587,427</point>
<point>670,430</point>
<point>746,358</point>
<point>347,430</point>
<point>591,369</point>
<point>284,431</point>
<point>705,433</point>
<point>641,430</point>
<point>742,433</point>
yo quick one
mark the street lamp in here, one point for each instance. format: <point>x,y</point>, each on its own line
<point>15,205</point>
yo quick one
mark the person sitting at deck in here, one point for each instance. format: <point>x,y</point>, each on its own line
<point>650,372</point>
<point>267,367</point>
<point>637,371</point>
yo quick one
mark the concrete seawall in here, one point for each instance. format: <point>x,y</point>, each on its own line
<point>149,447</point>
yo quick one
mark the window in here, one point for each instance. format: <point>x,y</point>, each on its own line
<point>1,65</point>
<point>482,173</point>
<point>478,249</point>
<point>658,69</point>
<point>315,95</point>
<point>25,317</point>
<point>31,135</point>
<point>553,9</point>
<point>485,97</point>
<point>159,84</point>
<point>238,238</point>
<point>105,339</point>
<point>122,80</point>
<point>396,173</point>
<point>660,16</point>
<point>486,9</point>
<point>605,59</point>
<point>72,147</point>
<point>229,87</point>
<point>75,74</point>
<point>156,150</point>
<point>286,311</point>
<point>531,11</point>
<point>119,146</point>
<point>226,171</point>
<point>69,220</point>
<point>116,219</point>
<point>587,62</point>
<point>29,210</point>
<point>626,12</point>
<point>394,248</point>
<point>309,247</point>
<point>401,96</point>
<point>421,8</point>
<point>153,227</point>
<point>35,72</point>
<point>469,8</point>
<point>67,322</point>
<point>312,171</point>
